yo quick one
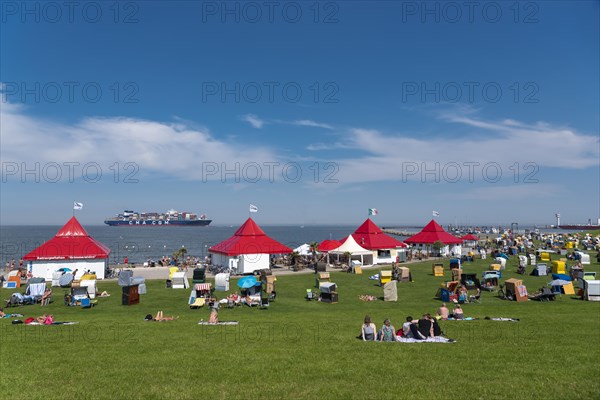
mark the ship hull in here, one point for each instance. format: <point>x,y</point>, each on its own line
<point>198,222</point>
<point>579,227</point>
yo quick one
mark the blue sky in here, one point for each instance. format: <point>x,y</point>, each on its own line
<point>320,110</point>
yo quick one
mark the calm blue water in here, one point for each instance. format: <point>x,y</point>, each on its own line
<point>142,243</point>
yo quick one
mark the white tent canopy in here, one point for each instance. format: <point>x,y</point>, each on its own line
<point>350,246</point>
<point>303,250</point>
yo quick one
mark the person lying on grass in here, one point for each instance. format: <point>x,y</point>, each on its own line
<point>159,317</point>
<point>4,315</point>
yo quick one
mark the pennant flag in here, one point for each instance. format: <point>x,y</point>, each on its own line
<point>373,211</point>
<point>253,208</point>
<point>435,213</point>
<point>77,206</point>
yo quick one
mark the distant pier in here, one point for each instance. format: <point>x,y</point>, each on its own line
<point>395,232</point>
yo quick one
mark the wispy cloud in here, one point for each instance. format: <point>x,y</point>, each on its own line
<point>376,156</point>
<point>308,122</point>
<point>171,148</point>
<point>253,120</point>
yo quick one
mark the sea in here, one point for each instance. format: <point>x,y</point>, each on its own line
<point>140,244</point>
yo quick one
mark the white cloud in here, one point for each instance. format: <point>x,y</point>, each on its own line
<point>380,157</point>
<point>253,120</point>
<point>173,149</point>
<point>308,122</point>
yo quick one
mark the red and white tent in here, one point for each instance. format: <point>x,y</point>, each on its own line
<point>470,239</point>
<point>72,247</point>
<point>433,232</point>
<point>385,248</point>
<point>247,250</point>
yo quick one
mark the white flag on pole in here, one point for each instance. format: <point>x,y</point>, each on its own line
<point>77,206</point>
<point>253,208</point>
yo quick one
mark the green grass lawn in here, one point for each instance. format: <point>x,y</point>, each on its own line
<point>300,349</point>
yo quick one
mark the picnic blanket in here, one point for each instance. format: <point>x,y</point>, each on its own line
<point>218,323</point>
<point>13,316</point>
<point>436,339</point>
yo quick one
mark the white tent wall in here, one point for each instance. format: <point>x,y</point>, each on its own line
<point>45,269</point>
<point>253,262</point>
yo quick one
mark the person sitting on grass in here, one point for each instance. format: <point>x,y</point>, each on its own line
<point>410,329</point>
<point>368,330</point>
<point>425,325</point>
<point>387,333</point>
<point>214,316</point>
<point>457,313</point>
<point>443,311</point>
<point>46,296</point>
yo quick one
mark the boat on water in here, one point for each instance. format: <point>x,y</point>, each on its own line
<point>169,218</point>
<point>579,227</point>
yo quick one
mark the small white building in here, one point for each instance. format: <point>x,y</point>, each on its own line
<point>72,247</point>
<point>248,250</point>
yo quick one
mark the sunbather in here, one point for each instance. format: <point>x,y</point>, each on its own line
<point>214,316</point>
<point>46,296</point>
<point>160,317</point>
<point>457,313</point>
<point>443,311</point>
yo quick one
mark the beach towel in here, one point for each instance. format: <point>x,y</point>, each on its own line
<point>219,323</point>
<point>437,339</point>
<point>502,319</point>
<point>54,323</point>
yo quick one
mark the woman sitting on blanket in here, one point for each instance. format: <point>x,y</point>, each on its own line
<point>410,330</point>
<point>368,330</point>
<point>387,332</point>
<point>457,313</point>
<point>214,316</point>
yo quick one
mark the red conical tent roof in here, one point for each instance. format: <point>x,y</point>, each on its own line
<point>431,234</point>
<point>328,245</point>
<point>70,242</point>
<point>249,239</point>
<point>470,237</point>
<point>371,237</point>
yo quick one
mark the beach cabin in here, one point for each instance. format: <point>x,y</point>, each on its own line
<point>385,249</point>
<point>248,250</point>
<point>73,248</point>
<point>433,232</point>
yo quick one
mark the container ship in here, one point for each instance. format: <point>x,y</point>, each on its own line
<point>169,218</point>
<point>588,226</point>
